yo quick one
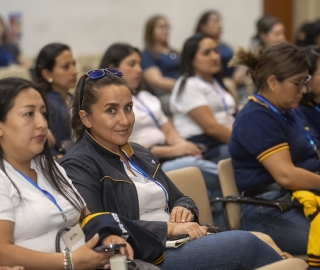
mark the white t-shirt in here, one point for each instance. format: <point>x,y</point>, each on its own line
<point>145,130</point>
<point>152,198</point>
<point>37,219</point>
<point>197,93</point>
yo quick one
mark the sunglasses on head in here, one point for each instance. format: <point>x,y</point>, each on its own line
<point>95,75</point>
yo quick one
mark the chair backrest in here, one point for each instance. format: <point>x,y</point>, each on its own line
<point>15,71</point>
<point>190,182</point>
<point>229,188</point>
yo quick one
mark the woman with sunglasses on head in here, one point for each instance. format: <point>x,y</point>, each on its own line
<point>37,199</point>
<point>152,128</point>
<point>310,104</point>
<point>203,110</point>
<point>114,175</point>
<point>272,154</point>
<point>56,72</point>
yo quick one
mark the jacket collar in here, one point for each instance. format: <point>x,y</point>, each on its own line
<point>126,148</point>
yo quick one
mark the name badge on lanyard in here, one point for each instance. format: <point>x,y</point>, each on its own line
<point>74,238</point>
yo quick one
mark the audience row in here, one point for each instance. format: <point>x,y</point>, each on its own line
<point>110,175</point>
<point>111,156</point>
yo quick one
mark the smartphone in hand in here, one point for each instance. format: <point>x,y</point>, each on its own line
<point>110,247</point>
<point>176,237</point>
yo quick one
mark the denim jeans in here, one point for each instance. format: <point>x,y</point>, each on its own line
<point>222,251</point>
<point>223,153</point>
<point>210,176</point>
<point>289,230</point>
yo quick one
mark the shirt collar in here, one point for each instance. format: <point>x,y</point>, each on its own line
<point>125,148</point>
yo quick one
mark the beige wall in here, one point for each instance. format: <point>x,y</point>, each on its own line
<point>89,26</point>
<point>305,10</point>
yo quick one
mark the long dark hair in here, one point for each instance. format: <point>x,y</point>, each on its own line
<point>189,51</point>
<point>264,25</point>
<point>10,88</point>
<point>47,60</point>
<point>204,19</point>
<point>115,54</point>
<point>149,32</point>
<point>4,37</point>
<point>313,55</point>
<point>88,91</point>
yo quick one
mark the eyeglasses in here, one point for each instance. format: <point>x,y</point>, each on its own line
<point>95,75</point>
<point>302,84</point>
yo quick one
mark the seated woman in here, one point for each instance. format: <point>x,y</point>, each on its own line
<point>152,128</point>
<point>56,72</point>
<point>9,52</point>
<point>202,109</point>
<point>114,175</point>
<point>37,198</point>
<point>271,152</point>
<point>210,24</point>
<point>160,63</point>
<point>270,31</point>
<point>310,104</point>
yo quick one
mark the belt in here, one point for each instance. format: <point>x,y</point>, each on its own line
<point>260,190</point>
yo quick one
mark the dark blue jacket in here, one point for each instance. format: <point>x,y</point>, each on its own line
<point>99,176</point>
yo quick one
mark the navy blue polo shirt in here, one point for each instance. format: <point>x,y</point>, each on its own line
<point>257,133</point>
<point>311,116</point>
<point>8,54</point>
<point>226,54</point>
<point>167,63</point>
<point>59,120</point>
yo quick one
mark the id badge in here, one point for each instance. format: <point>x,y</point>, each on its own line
<point>74,238</point>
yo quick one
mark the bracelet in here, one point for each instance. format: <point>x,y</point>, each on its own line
<point>67,260</point>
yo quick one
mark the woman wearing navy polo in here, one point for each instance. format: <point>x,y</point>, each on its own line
<point>272,154</point>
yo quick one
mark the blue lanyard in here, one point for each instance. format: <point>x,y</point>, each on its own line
<point>273,108</point>
<point>137,169</point>
<point>304,132</point>
<point>317,108</point>
<point>46,193</point>
<point>148,111</point>
<point>307,135</point>
<point>223,100</point>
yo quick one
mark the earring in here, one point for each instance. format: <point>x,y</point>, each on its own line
<point>50,80</point>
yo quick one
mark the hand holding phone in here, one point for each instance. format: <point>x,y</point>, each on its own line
<point>176,237</point>
<point>110,247</point>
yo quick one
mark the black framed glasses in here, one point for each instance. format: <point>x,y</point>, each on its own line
<point>302,84</point>
<point>95,75</point>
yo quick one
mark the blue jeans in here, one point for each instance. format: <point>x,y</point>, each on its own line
<point>223,153</point>
<point>210,176</point>
<point>289,230</point>
<point>222,251</point>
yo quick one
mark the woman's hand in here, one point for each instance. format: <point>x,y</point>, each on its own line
<point>114,239</point>
<point>181,214</point>
<point>185,148</point>
<point>86,258</point>
<point>192,228</point>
